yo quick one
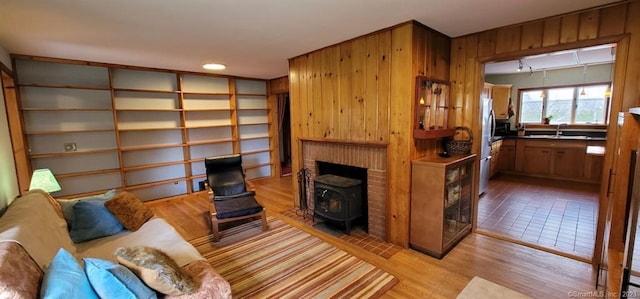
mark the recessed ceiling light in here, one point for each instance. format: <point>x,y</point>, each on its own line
<point>214,66</point>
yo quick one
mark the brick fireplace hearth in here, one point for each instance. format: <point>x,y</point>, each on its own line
<point>371,157</point>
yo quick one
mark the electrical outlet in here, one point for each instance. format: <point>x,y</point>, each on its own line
<point>70,147</point>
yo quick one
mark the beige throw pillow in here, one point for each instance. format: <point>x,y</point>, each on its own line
<point>129,210</point>
<point>159,271</point>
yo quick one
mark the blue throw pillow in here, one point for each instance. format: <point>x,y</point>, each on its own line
<point>112,280</point>
<point>65,278</point>
<point>67,204</point>
<point>92,220</point>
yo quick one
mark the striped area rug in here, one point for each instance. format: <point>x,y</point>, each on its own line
<point>286,262</point>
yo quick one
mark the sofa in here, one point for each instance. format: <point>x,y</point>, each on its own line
<point>33,230</point>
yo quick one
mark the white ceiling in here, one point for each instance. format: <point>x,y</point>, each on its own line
<point>556,60</point>
<point>254,38</point>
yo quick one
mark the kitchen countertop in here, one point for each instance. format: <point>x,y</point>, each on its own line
<point>550,137</point>
<point>595,150</point>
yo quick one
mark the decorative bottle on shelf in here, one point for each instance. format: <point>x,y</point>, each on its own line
<point>521,129</point>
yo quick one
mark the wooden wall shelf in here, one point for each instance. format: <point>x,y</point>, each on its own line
<point>64,86</point>
<point>431,109</point>
<point>145,90</point>
<point>432,134</point>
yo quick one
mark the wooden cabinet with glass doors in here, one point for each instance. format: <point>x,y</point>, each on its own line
<point>441,202</point>
<point>432,109</point>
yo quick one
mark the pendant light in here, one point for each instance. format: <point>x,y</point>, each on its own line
<point>519,65</point>
<point>607,93</point>
<point>584,80</point>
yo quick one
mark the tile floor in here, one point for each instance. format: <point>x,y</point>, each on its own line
<point>549,213</point>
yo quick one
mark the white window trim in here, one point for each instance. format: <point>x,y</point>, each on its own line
<point>576,91</point>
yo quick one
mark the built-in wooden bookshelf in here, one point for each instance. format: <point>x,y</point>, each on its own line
<point>100,126</point>
<point>253,127</point>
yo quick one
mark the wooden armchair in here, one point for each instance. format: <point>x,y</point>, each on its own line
<point>232,196</point>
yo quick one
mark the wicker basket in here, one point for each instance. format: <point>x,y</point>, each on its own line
<point>460,147</point>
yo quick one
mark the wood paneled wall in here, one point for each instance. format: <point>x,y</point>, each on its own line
<point>279,85</point>
<point>616,23</point>
<point>343,87</point>
<point>362,90</point>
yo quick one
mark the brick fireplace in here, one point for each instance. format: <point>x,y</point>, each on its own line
<point>372,157</point>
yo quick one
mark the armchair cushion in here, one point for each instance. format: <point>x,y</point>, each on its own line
<point>237,207</point>
<point>230,199</point>
<point>227,197</point>
<point>228,185</point>
<point>224,175</point>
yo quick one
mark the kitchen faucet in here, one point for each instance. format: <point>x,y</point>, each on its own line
<point>558,129</point>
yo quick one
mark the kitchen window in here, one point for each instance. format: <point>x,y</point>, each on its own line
<point>581,104</point>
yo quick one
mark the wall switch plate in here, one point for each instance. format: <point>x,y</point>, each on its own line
<point>70,147</point>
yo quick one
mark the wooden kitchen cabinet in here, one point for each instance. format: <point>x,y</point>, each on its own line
<point>495,156</point>
<point>537,161</point>
<point>486,90</point>
<point>594,162</point>
<point>568,162</point>
<point>560,159</point>
<point>593,167</point>
<point>500,93</point>
<point>441,202</point>
<point>507,156</point>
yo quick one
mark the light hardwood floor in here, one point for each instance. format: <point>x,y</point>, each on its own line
<point>533,272</point>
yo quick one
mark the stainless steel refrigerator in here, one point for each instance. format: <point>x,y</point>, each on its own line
<point>488,130</point>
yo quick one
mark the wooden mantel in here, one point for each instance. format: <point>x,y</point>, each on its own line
<point>347,142</point>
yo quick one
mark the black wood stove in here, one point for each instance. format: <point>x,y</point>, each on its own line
<point>338,199</point>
